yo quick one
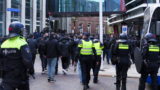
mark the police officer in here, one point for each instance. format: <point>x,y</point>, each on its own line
<point>150,53</point>
<point>97,62</point>
<point>121,50</point>
<point>17,58</point>
<point>85,49</point>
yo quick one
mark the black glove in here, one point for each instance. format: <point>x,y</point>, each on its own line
<point>31,71</point>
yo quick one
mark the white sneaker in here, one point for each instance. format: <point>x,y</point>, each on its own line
<point>43,72</point>
<point>64,71</point>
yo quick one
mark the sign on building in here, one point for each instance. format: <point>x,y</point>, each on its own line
<point>124,29</point>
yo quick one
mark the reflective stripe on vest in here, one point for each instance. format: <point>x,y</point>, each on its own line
<point>87,48</point>
<point>98,48</point>
<point>123,46</point>
<point>153,48</point>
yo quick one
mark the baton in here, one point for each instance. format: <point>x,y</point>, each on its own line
<point>33,76</point>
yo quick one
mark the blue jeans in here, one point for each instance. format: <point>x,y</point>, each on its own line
<point>51,63</point>
<point>108,52</point>
<point>79,70</point>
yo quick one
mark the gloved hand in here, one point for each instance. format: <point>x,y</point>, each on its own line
<point>31,71</point>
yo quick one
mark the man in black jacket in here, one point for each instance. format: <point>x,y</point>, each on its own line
<point>33,45</point>
<point>65,48</point>
<point>107,46</point>
<point>52,50</point>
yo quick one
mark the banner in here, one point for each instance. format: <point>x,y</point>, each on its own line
<point>122,7</point>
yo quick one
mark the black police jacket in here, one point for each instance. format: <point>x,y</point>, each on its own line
<point>33,45</point>
<point>65,48</point>
<point>152,57</point>
<point>122,53</point>
<point>52,48</point>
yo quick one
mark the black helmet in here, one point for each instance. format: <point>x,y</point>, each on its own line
<point>15,29</point>
<point>150,37</point>
<point>96,40</point>
<point>91,37</point>
<point>86,34</point>
<point>122,37</point>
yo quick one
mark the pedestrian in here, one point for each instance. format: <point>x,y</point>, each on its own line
<point>33,45</point>
<point>52,50</point>
<point>107,46</point>
<point>96,63</point>
<point>71,40</point>
<point>122,50</point>
<point>36,34</point>
<point>41,49</point>
<point>17,59</point>
<point>65,49</point>
<point>150,54</point>
<point>85,49</point>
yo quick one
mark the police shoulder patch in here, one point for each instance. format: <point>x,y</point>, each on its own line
<point>27,50</point>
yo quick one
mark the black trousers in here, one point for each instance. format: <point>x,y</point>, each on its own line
<point>56,69</point>
<point>72,57</point>
<point>121,72</point>
<point>143,81</point>
<point>33,57</point>
<point>86,63</point>
<point>21,87</point>
<point>96,67</point>
<point>42,61</point>
<point>104,54</point>
<point>65,62</point>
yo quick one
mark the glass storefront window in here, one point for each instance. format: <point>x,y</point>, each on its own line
<point>29,16</point>
<point>39,15</point>
<point>16,16</point>
<point>2,17</point>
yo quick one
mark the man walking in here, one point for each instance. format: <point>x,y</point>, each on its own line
<point>52,50</point>
<point>33,45</point>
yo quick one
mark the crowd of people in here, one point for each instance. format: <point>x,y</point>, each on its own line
<point>18,54</point>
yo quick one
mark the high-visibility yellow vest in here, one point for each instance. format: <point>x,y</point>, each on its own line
<point>153,48</point>
<point>123,46</point>
<point>98,48</point>
<point>86,48</point>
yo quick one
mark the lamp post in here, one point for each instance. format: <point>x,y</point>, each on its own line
<point>101,28</point>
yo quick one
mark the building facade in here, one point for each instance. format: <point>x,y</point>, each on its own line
<point>88,24</point>
<point>134,13</point>
<point>32,14</point>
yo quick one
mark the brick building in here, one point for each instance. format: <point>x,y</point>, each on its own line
<point>89,24</point>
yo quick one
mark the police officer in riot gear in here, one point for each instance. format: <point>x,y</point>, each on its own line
<point>85,50</point>
<point>17,59</point>
<point>150,53</point>
<point>122,50</point>
<point>96,63</point>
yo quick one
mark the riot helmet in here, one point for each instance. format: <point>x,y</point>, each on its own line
<point>86,34</point>
<point>150,37</point>
<point>16,29</point>
<point>95,40</point>
<point>122,37</point>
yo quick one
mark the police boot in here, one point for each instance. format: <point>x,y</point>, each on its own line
<point>118,85</point>
<point>85,87</point>
<point>123,87</point>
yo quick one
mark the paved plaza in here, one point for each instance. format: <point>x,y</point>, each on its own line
<point>71,81</point>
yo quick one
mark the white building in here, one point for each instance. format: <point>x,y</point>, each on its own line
<point>32,15</point>
<point>134,12</point>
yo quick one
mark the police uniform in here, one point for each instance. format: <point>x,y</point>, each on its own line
<point>122,49</point>
<point>85,49</point>
<point>150,53</point>
<point>98,46</point>
<point>17,59</point>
